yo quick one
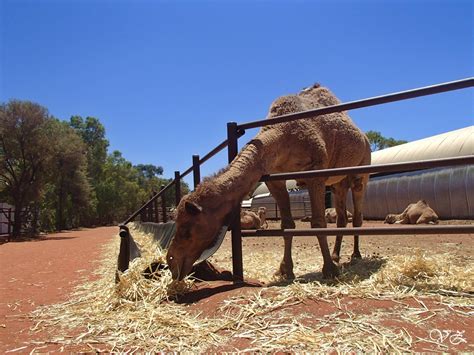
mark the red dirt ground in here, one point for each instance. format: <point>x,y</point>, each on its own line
<point>45,272</point>
<point>42,272</point>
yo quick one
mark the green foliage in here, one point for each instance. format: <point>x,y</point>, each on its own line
<point>377,141</point>
<point>25,153</point>
<point>62,169</point>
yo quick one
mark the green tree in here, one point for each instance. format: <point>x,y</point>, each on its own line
<point>68,176</point>
<point>118,192</point>
<point>93,135</point>
<point>25,152</point>
<point>377,141</point>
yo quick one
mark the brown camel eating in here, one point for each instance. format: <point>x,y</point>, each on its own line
<point>323,142</point>
<point>415,213</point>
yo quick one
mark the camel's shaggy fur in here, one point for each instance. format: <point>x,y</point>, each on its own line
<point>415,213</point>
<point>322,142</point>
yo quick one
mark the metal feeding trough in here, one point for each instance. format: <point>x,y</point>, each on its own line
<point>163,233</point>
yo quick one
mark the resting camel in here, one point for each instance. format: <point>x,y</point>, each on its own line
<point>323,142</point>
<point>415,213</point>
<point>331,215</point>
<point>249,220</point>
<point>262,214</point>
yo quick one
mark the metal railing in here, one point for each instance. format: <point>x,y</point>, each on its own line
<point>235,131</point>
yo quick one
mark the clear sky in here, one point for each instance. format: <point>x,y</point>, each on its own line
<point>164,77</point>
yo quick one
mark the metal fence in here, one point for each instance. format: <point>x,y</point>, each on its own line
<point>235,131</point>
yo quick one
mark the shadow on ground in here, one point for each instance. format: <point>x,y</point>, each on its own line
<point>354,271</point>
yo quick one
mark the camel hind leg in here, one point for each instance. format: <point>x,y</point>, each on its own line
<point>280,193</point>
<point>317,190</point>
<point>340,195</point>
<point>358,189</point>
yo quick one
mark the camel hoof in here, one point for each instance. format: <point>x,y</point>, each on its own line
<point>284,274</point>
<point>335,258</point>
<point>356,256</point>
<point>330,271</point>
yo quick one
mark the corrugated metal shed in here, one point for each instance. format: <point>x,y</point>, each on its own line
<point>449,191</point>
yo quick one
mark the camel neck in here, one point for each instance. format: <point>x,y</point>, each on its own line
<point>230,186</point>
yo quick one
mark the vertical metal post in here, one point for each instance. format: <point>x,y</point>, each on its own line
<point>163,205</point>
<point>177,187</point>
<point>196,170</point>
<point>155,216</point>
<point>237,264</point>
<point>9,224</point>
<point>149,217</point>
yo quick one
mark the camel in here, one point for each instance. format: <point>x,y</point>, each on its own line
<point>249,220</point>
<point>322,142</point>
<point>415,213</point>
<point>262,214</point>
<point>331,215</point>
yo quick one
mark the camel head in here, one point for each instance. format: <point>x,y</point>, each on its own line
<point>391,218</point>
<point>196,230</point>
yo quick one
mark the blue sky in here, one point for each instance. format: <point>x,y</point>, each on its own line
<point>164,77</point>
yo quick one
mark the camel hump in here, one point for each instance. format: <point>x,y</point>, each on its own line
<point>309,88</point>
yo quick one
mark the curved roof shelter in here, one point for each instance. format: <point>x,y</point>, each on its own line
<point>446,145</point>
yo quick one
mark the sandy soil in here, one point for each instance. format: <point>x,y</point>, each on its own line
<point>45,272</point>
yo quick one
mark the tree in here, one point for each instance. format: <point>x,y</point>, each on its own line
<point>377,141</point>
<point>93,135</point>
<point>118,192</point>
<point>25,151</point>
<point>68,176</point>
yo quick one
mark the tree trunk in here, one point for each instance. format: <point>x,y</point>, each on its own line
<point>59,212</point>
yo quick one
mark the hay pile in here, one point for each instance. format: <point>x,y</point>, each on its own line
<point>137,314</point>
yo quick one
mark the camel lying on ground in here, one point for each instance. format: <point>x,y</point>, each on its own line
<point>415,213</point>
<point>252,220</point>
<point>330,215</point>
<point>314,143</point>
<point>249,220</point>
<point>262,214</point>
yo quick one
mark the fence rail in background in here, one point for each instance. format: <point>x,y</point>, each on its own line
<point>235,131</point>
<point>389,230</point>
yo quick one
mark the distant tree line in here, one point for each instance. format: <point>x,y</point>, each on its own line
<point>377,141</point>
<point>59,175</point>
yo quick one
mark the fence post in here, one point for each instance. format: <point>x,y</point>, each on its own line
<point>196,170</point>
<point>9,224</point>
<point>156,213</point>
<point>237,264</point>
<point>177,187</point>
<point>163,206</point>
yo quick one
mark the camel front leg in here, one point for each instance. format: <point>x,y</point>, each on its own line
<point>340,193</point>
<point>317,190</point>
<point>280,194</point>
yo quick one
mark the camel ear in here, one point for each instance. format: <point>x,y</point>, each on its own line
<point>192,208</point>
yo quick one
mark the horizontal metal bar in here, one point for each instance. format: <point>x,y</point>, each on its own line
<point>364,169</point>
<point>389,230</point>
<point>378,100</point>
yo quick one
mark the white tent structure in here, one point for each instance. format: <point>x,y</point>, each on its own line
<point>449,191</point>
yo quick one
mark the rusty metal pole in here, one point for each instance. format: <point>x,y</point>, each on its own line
<point>237,263</point>
<point>156,214</point>
<point>163,206</point>
<point>9,224</point>
<point>177,187</point>
<point>196,170</point>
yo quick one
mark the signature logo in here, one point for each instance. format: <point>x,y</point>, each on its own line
<point>454,337</point>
